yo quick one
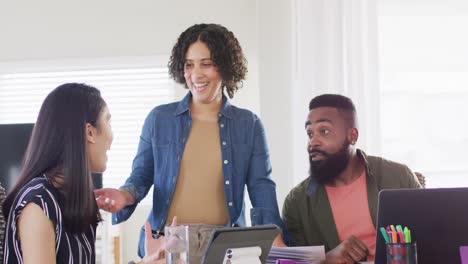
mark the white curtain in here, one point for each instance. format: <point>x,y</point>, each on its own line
<point>335,51</point>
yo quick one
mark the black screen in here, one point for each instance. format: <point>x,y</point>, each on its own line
<point>437,219</point>
<point>14,139</point>
<point>13,142</point>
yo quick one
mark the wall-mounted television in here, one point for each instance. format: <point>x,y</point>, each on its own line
<point>14,139</point>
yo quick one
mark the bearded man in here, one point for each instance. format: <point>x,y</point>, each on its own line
<point>336,206</point>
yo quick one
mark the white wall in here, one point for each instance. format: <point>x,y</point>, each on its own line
<point>57,30</point>
<point>52,29</point>
<point>276,92</point>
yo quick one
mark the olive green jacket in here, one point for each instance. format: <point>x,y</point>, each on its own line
<point>307,212</point>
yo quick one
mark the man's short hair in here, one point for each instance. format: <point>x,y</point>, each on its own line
<point>340,102</point>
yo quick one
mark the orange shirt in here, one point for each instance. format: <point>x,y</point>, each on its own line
<point>199,194</point>
<point>350,208</point>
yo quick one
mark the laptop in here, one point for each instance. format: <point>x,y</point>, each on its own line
<point>437,218</point>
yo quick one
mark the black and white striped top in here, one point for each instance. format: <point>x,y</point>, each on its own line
<point>69,248</point>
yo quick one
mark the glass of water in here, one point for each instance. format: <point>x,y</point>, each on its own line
<point>177,244</point>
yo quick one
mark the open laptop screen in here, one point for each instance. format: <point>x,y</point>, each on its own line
<point>437,218</point>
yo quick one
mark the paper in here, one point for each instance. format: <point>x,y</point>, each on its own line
<point>464,254</point>
<point>287,261</point>
<point>309,255</point>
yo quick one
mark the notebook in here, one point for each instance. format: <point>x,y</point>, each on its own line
<point>437,218</point>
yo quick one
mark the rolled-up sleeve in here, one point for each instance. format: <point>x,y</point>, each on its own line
<point>141,178</point>
<point>261,188</point>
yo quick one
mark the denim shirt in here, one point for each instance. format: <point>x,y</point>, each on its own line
<point>245,160</point>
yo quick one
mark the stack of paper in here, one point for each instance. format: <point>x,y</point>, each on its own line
<point>296,255</point>
<point>464,254</point>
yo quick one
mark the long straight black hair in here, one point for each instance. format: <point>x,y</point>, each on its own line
<point>57,148</point>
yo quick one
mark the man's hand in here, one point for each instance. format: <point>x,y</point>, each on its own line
<point>349,251</point>
<point>279,242</point>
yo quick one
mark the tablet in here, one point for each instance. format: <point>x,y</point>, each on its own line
<point>223,239</point>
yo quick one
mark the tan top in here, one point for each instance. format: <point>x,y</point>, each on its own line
<point>199,193</point>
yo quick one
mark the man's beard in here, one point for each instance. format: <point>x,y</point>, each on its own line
<point>327,169</point>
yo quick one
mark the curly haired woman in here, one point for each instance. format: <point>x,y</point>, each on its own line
<point>201,152</point>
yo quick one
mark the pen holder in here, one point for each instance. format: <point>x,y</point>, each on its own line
<point>402,253</point>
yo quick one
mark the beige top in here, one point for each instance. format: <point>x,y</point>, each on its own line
<point>199,193</point>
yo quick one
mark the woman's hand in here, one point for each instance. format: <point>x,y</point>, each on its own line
<point>155,247</point>
<point>113,200</point>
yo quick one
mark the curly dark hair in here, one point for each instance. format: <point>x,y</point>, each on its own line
<point>226,54</point>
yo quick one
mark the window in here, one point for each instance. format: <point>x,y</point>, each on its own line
<point>130,86</point>
<point>424,88</point>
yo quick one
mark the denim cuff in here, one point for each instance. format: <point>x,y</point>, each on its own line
<point>132,190</point>
<point>262,216</point>
<point>127,211</point>
<point>265,216</point>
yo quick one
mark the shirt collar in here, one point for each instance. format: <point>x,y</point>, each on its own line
<point>184,106</point>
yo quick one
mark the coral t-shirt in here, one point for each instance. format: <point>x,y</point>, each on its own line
<point>350,208</point>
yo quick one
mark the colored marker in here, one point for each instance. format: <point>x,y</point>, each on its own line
<point>394,236</point>
<point>384,234</point>
<point>407,234</point>
<point>392,228</point>
<point>400,235</point>
<point>399,229</point>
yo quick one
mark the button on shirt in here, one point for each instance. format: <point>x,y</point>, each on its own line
<point>245,162</point>
<point>199,193</point>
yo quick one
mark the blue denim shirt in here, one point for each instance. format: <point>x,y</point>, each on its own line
<point>245,160</point>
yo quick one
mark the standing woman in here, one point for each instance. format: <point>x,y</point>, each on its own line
<point>201,152</point>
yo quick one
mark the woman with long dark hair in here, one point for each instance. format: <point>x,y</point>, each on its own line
<point>52,212</point>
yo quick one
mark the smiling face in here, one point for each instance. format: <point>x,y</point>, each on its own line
<point>329,143</point>
<point>99,140</point>
<point>201,75</point>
